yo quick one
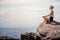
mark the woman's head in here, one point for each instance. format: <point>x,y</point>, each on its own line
<point>51,7</point>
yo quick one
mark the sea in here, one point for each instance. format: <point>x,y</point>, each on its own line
<point>15,32</point>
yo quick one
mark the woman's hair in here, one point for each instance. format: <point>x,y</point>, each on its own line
<point>51,6</point>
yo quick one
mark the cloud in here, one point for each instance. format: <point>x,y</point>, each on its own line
<point>10,3</point>
<point>20,13</point>
<point>56,3</point>
<point>23,13</point>
<point>19,16</point>
<point>56,0</point>
<point>23,1</point>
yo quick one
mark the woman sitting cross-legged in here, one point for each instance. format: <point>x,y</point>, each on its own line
<point>49,18</point>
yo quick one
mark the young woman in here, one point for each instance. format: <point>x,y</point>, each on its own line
<point>51,15</point>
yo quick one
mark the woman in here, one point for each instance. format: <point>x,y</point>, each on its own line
<point>51,15</point>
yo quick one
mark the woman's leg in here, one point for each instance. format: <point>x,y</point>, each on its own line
<point>46,19</point>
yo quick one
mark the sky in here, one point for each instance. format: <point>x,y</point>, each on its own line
<point>26,13</point>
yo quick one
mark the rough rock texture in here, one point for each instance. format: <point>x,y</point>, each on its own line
<point>28,36</point>
<point>49,31</point>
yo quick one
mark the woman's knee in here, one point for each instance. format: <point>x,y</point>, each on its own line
<point>43,16</point>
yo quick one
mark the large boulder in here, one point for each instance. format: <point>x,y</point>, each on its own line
<point>50,31</point>
<point>28,36</point>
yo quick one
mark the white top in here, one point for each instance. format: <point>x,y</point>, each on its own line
<point>51,13</point>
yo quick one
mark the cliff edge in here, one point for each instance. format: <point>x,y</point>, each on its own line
<point>49,31</point>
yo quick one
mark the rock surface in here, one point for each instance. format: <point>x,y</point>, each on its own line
<point>28,36</point>
<point>49,31</point>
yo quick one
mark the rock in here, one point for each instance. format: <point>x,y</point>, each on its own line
<point>49,31</point>
<point>28,36</point>
<point>44,32</point>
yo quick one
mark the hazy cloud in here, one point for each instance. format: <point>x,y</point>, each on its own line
<point>24,13</point>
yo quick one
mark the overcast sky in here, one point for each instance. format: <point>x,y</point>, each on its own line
<point>26,13</point>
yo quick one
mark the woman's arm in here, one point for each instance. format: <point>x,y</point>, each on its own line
<point>51,13</point>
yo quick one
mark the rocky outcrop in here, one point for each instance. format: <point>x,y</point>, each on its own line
<point>50,31</point>
<point>28,36</point>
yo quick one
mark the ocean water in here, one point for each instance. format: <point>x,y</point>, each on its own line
<point>15,32</point>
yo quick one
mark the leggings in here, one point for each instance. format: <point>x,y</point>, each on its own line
<point>51,19</point>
